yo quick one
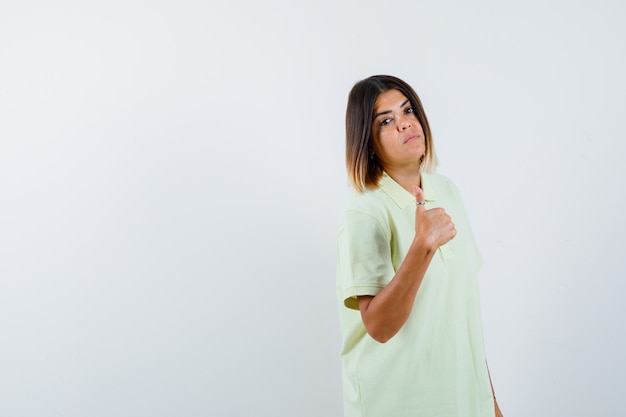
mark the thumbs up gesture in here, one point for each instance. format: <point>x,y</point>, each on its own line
<point>434,227</point>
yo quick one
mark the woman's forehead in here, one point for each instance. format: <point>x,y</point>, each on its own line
<point>389,100</point>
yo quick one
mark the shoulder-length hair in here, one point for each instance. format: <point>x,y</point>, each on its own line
<point>365,172</point>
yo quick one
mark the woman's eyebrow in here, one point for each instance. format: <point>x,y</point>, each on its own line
<point>381,113</point>
<point>389,111</point>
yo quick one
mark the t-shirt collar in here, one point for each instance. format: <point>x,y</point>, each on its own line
<point>401,196</point>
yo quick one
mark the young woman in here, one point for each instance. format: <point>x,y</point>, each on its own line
<point>407,269</point>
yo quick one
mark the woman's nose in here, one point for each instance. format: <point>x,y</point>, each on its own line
<point>405,123</point>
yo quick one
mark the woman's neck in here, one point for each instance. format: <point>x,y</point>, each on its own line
<point>407,178</point>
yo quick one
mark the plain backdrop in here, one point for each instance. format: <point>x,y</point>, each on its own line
<point>172,175</point>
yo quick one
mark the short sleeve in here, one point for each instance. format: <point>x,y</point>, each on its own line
<point>364,256</point>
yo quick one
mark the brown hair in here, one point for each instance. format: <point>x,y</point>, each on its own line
<point>365,172</point>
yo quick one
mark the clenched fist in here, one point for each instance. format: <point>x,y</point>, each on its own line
<point>434,227</point>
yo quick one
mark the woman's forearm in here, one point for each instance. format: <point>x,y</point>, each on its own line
<point>384,314</point>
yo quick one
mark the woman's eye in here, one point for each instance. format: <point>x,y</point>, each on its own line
<point>385,122</point>
<point>410,110</point>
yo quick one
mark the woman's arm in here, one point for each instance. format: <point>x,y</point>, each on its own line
<point>384,314</point>
<point>495,403</point>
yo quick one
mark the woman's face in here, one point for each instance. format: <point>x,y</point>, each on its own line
<point>398,138</point>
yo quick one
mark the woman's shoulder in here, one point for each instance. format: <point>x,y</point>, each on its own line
<point>370,201</point>
<point>438,178</point>
<point>439,182</point>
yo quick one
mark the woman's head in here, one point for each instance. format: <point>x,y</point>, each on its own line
<point>364,129</point>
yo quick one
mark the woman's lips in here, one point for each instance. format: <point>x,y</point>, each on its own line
<point>411,138</point>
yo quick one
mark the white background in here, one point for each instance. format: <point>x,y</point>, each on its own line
<point>171,178</point>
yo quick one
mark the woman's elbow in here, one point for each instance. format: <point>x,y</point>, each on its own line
<point>381,339</point>
<point>378,326</point>
<point>381,334</point>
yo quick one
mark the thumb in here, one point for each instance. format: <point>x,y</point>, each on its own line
<point>419,198</point>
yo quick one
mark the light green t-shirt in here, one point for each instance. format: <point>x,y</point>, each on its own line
<point>435,365</point>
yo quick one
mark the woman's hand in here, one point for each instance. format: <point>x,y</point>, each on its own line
<point>498,412</point>
<point>434,227</point>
